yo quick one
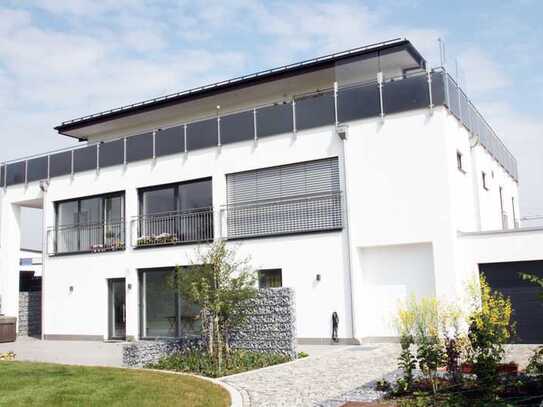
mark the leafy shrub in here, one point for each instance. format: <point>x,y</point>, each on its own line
<point>490,329</point>
<point>204,364</point>
<point>535,364</point>
<point>302,355</point>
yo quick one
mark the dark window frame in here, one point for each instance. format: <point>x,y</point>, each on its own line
<point>485,181</point>
<point>116,194</point>
<point>460,162</point>
<point>262,277</point>
<point>141,297</point>
<point>175,186</point>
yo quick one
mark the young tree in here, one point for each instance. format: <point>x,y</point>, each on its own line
<point>220,284</point>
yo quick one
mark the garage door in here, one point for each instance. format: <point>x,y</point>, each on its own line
<point>527,308</point>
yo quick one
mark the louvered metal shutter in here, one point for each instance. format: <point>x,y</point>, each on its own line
<point>294,198</point>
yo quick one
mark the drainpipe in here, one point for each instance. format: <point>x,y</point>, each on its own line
<point>341,131</point>
<point>474,141</point>
<point>44,186</point>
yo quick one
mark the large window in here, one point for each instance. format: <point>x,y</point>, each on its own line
<point>295,198</point>
<point>176,213</point>
<point>164,314</point>
<point>90,224</point>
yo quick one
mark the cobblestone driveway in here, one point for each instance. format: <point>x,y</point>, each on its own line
<point>325,380</point>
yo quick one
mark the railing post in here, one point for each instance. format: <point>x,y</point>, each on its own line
<point>254,125</point>
<point>294,116</point>
<point>154,145</point>
<point>218,125</point>
<point>124,153</point>
<point>380,84</point>
<point>335,103</point>
<point>429,75</point>
<point>98,159</point>
<point>185,136</point>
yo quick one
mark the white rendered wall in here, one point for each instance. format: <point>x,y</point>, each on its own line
<point>302,257</point>
<point>390,275</point>
<point>405,197</point>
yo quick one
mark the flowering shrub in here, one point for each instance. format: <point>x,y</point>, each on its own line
<point>163,238</point>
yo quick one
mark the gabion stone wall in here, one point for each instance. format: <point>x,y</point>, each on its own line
<point>142,353</point>
<point>270,327</point>
<point>29,323</point>
<point>271,323</point>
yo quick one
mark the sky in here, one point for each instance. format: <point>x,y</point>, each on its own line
<point>64,59</point>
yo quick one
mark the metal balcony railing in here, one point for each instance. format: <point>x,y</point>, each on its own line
<point>302,214</point>
<point>86,238</point>
<point>170,228</point>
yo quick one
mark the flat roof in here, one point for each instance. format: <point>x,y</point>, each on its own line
<point>242,81</point>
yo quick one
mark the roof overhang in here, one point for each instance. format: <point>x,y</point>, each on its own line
<point>83,127</point>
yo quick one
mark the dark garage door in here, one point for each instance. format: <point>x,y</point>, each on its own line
<point>527,308</point>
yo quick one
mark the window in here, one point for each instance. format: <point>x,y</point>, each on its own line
<point>176,213</point>
<point>459,163</point>
<point>270,278</point>
<point>295,198</point>
<point>485,181</point>
<point>90,224</point>
<point>164,313</point>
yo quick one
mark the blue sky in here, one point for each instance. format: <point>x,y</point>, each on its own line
<point>64,59</point>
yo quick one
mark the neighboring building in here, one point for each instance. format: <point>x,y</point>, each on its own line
<point>30,270</point>
<point>352,178</point>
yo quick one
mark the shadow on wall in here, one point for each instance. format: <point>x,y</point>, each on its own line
<point>389,275</point>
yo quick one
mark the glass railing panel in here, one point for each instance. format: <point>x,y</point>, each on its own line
<point>111,153</point>
<point>454,107</point>
<point>315,111</point>
<point>85,159</point>
<point>272,120</point>
<point>237,127</point>
<point>139,147</point>
<point>170,141</point>
<point>202,134</point>
<point>61,164</point>
<point>15,173</point>
<point>359,102</point>
<point>406,94</point>
<point>438,88</point>
<point>464,109</point>
<point>37,169</point>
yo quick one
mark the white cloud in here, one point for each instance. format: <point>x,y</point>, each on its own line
<point>483,75</point>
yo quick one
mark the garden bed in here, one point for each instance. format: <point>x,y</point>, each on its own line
<point>201,363</point>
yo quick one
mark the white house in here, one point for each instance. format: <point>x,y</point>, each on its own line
<point>356,178</point>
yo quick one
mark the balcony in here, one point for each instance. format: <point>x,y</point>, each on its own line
<point>323,108</point>
<point>172,228</point>
<point>86,238</point>
<point>302,214</point>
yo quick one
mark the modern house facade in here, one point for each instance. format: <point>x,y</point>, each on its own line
<point>357,179</point>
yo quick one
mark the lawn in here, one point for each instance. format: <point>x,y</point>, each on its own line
<point>41,384</point>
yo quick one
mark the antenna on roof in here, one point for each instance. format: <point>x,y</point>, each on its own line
<point>442,57</point>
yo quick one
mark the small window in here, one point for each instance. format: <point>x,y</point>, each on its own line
<point>459,163</point>
<point>485,181</point>
<point>270,278</point>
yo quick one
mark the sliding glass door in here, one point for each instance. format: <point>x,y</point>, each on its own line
<point>164,314</point>
<point>90,224</point>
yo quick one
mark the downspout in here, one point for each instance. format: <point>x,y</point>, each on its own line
<point>474,141</point>
<point>342,133</point>
<point>44,186</point>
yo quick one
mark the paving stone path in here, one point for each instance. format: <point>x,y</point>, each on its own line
<point>326,380</point>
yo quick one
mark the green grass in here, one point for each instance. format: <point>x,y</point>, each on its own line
<point>41,384</point>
